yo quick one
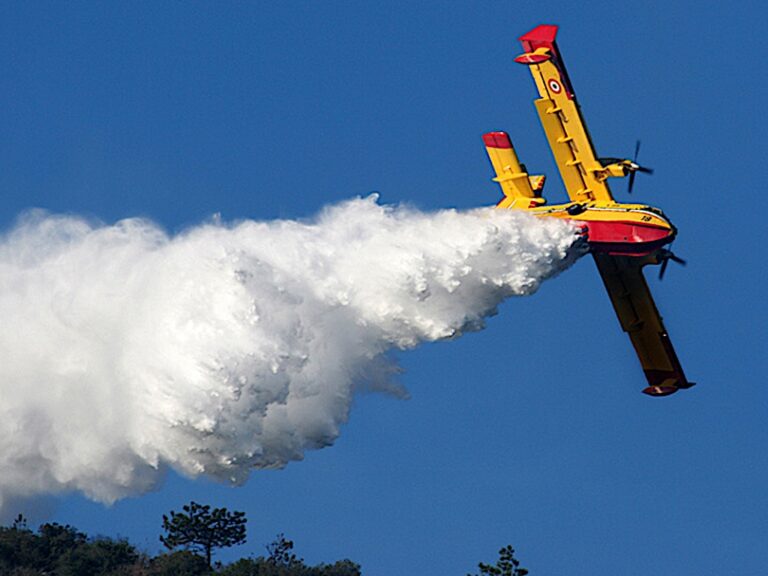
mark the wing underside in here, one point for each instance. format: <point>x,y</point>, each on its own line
<point>639,317</point>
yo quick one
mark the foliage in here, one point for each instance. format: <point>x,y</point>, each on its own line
<point>340,568</point>
<point>19,523</point>
<point>179,563</point>
<point>56,544</point>
<point>251,567</point>
<point>280,554</point>
<point>283,562</point>
<point>62,550</point>
<point>506,565</point>
<point>101,556</point>
<point>200,529</point>
<point>18,546</point>
<point>264,567</point>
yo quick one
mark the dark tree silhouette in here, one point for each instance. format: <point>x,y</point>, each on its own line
<point>179,563</point>
<point>282,561</point>
<point>506,565</point>
<point>62,550</point>
<point>200,529</point>
<point>280,553</point>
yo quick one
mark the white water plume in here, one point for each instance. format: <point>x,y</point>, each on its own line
<point>125,351</point>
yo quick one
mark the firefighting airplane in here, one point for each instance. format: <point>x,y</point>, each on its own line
<point>623,238</point>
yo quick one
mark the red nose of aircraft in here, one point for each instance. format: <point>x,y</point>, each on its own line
<point>628,238</point>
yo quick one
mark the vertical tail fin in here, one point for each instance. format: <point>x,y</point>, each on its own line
<point>510,174</point>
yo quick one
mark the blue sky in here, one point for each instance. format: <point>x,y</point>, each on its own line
<point>533,432</point>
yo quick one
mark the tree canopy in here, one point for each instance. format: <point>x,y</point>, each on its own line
<point>506,565</point>
<point>62,550</point>
<point>198,528</point>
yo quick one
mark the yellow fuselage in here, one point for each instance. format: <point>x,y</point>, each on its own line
<point>610,227</point>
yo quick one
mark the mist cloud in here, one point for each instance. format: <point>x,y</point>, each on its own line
<point>125,351</point>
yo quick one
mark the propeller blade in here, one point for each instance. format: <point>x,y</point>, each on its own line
<point>677,259</point>
<point>663,268</point>
<point>665,256</point>
<point>629,166</point>
<point>635,167</point>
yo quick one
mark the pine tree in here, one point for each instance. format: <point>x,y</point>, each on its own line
<point>200,529</point>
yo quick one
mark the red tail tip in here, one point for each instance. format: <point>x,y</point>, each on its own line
<point>543,35</point>
<point>497,140</point>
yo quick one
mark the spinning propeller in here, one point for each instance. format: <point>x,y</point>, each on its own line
<point>626,166</point>
<point>633,167</point>
<point>665,255</point>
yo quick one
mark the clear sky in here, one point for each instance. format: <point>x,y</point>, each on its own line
<point>533,432</point>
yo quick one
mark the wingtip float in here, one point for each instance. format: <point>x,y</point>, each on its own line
<point>623,238</point>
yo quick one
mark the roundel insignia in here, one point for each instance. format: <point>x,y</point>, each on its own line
<point>555,86</point>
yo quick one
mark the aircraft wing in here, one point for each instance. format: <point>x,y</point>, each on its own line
<point>639,317</point>
<point>581,171</point>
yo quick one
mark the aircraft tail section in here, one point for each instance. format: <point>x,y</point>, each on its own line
<point>511,176</point>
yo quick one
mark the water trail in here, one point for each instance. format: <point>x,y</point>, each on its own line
<point>125,351</point>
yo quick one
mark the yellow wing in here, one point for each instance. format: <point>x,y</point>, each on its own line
<point>581,171</point>
<point>639,317</point>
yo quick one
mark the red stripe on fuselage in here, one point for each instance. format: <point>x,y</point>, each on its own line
<point>626,238</point>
